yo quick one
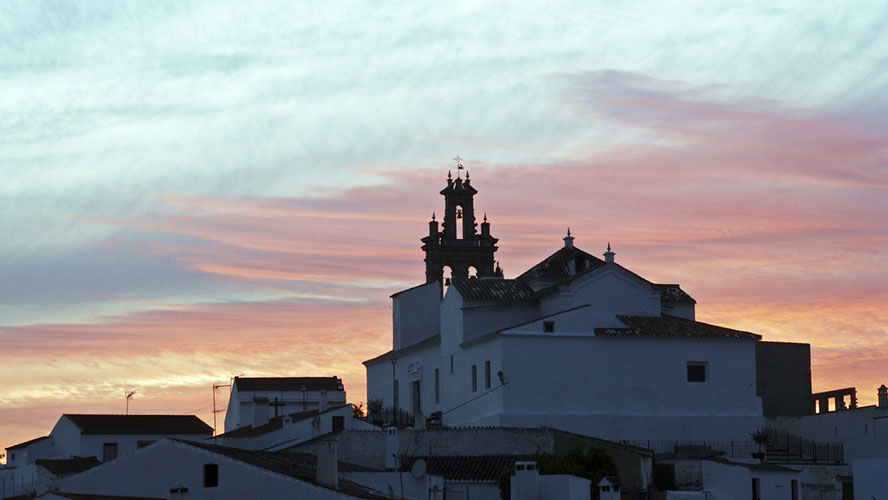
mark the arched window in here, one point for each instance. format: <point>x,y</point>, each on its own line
<point>447,275</point>
<point>473,273</point>
<point>459,222</point>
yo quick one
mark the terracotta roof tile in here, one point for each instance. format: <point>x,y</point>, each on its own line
<point>494,290</point>
<point>671,327</point>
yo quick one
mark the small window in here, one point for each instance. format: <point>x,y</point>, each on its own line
<point>696,372</point>
<point>12,456</point>
<point>109,451</point>
<point>338,423</point>
<point>437,386</point>
<point>142,444</point>
<point>548,326</point>
<point>211,475</point>
<point>474,378</point>
<point>487,374</point>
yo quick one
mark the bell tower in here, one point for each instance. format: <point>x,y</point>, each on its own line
<point>458,245</point>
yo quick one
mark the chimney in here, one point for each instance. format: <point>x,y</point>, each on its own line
<point>392,448</point>
<point>178,493</point>
<point>609,255</point>
<point>525,481</point>
<point>568,240</point>
<point>883,396</point>
<point>328,464</point>
<point>260,411</point>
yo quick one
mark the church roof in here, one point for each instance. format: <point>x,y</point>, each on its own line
<point>494,290</point>
<point>673,293</point>
<point>671,327</point>
<point>556,266</point>
<point>140,424</point>
<point>293,384</point>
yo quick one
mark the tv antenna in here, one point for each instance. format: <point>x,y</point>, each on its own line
<point>129,395</point>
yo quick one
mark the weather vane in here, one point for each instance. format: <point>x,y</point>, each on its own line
<point>459,165</point>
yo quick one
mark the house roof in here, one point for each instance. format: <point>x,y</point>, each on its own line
<point>293,384</point>
<point>63,467</point>
<point>276,423</point>
<point>556,266</point>
<point>494,290</point>
<point>90,496</point>
<point>26,443</point>
<point>671,327</point>
<point>296,465</point>
<point>465,468</point>
<point>140,424</point>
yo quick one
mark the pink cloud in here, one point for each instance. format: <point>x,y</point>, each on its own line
<point>773,218</point>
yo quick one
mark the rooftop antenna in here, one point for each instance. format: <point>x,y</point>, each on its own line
<point>129,395</point>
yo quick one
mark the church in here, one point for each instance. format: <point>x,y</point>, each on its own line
<point>576,342</point>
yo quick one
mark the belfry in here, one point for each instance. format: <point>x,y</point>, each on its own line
<point>458,245</point>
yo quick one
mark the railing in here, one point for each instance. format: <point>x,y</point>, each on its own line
<point>782,448</point>
<point>387,416</point>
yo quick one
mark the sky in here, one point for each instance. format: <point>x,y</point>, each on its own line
<point>197,190</point>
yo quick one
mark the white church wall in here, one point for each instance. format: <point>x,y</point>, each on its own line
<point>476,403</point>
<point>155,469</point>
<point>553,380</point>
<point>483,318</point>
<point>609,291</point>
<point>451,322</point>
<point>416,314</point>
<point>416,365</point>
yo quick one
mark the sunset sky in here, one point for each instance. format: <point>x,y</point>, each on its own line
<point>196,190</point>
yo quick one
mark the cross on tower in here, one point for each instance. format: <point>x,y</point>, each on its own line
<point>459,165</point>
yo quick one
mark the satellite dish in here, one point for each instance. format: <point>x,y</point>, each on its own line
<point>419,468</point>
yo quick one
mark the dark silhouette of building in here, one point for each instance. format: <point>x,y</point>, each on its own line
<point>458,245</point>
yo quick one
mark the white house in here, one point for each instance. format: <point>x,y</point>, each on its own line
<point>289,430</point>
<point>208,472</point>
<point>105,436</point>
<point>255,400</point>
<point>575,342</point>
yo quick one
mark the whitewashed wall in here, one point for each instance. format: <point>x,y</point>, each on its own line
<point>153,470</point>
<point>416,314</point>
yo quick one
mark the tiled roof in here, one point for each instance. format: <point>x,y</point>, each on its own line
<point>26,443</point>
<point>294,384</point>
<point>555,267</point>
<point>90,496</point>
<point>63,467</point>
<point>673,293</point>
<point>480,468</point>
<point>140,424</point>
<point>296,465</point>
<point>671,327</point>
<point>275,423</point>
<point>494,290</point>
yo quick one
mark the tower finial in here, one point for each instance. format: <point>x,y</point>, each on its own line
<point>433,215</point>
<point>609,255</point>
<point>568,240</point>
<point>448,175</point>
<point>485,217</point>
<point>608,246</point>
